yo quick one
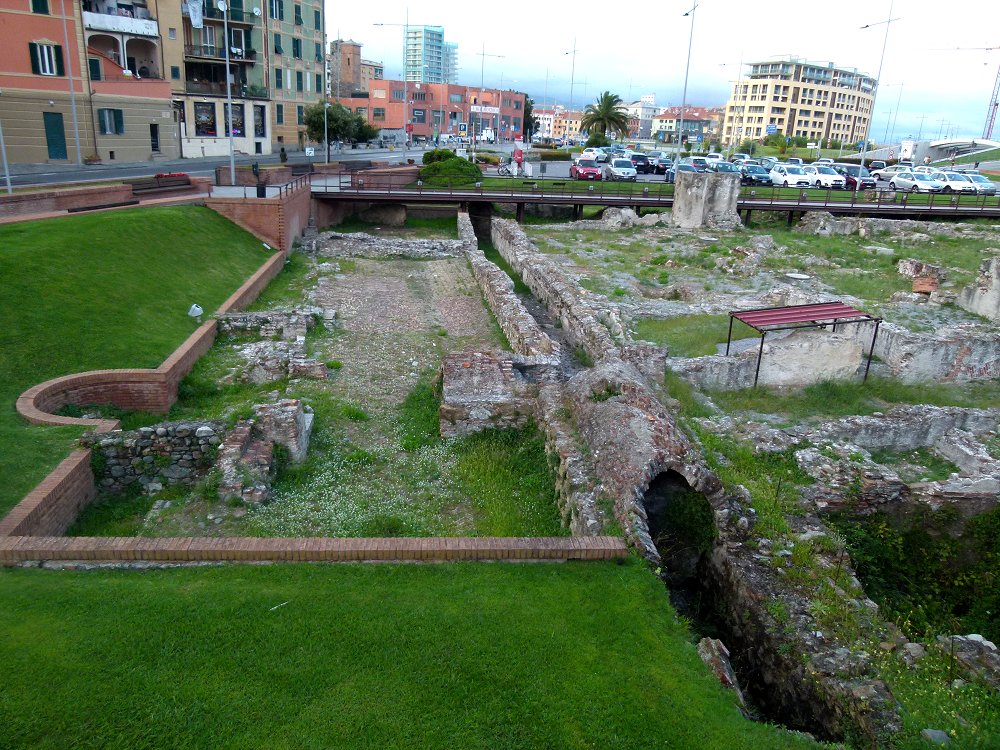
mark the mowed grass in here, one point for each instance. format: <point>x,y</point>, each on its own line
<point>581,655</point>
<point>691,335</point>
<point>101,291</point>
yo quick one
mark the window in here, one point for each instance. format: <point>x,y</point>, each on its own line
<point>278,78</point>
<point>95,68</point>
<point>175,72</point>
<point>298,14</point>
<point>171,33</point>
<point>378,93</point>
<point>455,98</point>
<point>419,116</point>
<point>279,114</point>
<point>378,114</point>
<point>40,6</point>
<point>363,111</point>
<point>259,121</point>
<point>419,96</point>
<point>319,83</point>
<point>277,44</point>
<point>397,94</point>
<point>297,49</point>
<point>319,52</point>
<point>517,104</point>
<point>278,10</point>
<point>204,119</point>
<point>46,59</point>
<point>299,83</point>
<point>317,20</point>
<point>300,115</point>
<point>112,121</point>
<point>238,123</point>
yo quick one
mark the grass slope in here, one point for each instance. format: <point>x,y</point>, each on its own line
<point>101,291</point>
<point>585,655</point>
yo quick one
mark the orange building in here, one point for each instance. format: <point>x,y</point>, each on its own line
<point>433,109</point>
<point>82,83</point>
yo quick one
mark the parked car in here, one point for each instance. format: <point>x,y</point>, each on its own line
<point>592,152</point>
<point>824,160</point>
<point>620,169</point>
<point>876,164</point>
<point>714,156</point>
<point>671,175</point>
<point>954,182</point>
<point>794,160</point>
<point>641,163</point>
<point>769,161</point>
<point>699,163</point>
<point>914,182</point>
<point>660,161</point>
<point>887,173</point>
<point>724,166</point>
<point>754,174</point>
<point>585,169</point>
<point>984,185</point>
<point>855,176</point>
<point>822,176</point>
<point>924,169</point>
<point>739,157</point>
<point>788,175</point>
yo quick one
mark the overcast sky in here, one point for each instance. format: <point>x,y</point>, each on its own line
<point>641,49</point>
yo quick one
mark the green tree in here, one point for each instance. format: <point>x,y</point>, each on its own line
<point>530,121</point>
<point>341,124</point>
<point>606,115</point>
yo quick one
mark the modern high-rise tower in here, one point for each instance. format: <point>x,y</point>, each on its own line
<point>429,59</point>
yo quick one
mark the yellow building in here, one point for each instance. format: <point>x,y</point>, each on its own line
<point>817,101</point>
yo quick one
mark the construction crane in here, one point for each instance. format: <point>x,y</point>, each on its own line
<point>991,112</point>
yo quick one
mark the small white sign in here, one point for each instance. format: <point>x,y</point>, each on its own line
<point>310,152</point>
<point>484,110</point>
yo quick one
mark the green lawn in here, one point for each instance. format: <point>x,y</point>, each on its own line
<point>581,655</point>
<point>101,291</point>
<point>691,335</point>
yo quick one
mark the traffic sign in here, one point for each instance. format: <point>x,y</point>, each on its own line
<point>861,145</point>
<point>700,138</point>
<point>771,129</point>
<point>892,153</point>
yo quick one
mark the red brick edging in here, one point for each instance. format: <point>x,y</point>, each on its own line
<point>19,549</point>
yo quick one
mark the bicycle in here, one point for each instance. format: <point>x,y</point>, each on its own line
<point>504,170</point>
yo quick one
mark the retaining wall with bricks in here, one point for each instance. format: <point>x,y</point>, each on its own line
<point>278,221</point>
<point>53,505</point>
<point>19,550</point>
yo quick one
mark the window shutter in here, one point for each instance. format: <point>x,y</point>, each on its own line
<point>33,52</point>
<point>119,122</point>
<point>40,6</point>
<point>60,69</point>
<point>281,10</point>
<point>95,68</point>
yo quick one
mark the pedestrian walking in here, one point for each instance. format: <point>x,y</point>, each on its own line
<point>283,155</point>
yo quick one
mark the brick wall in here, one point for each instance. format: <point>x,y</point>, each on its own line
<point>54,504</point>
<point>56,501</point>
<point>18,549</point>
<point>20,204</point>
<point>278,221</point>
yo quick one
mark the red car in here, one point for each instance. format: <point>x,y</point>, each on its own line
<point>585,169</point>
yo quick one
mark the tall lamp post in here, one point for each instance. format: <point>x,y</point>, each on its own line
<point>222,6</point>
<point>572,76</point>
<point>687,70</point>
<point>482,85</point>
<point>878,76</point>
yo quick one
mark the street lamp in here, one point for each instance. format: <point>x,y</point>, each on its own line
<point>482,85</point>
<point>687,70</point>
<point>572,75</point>
<point>221,5</point>
<point>878,76</point>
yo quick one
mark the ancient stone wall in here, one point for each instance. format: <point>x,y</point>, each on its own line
<point>706,200</point>
<point>481,391</point>
<point>169,453</point>
<point>586,323</point>
<point>982,296</point>
<point>364,245</point>
<point>523,333</point>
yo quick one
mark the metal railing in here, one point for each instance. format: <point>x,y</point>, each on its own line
<point>218,88</point>
<point>270,191</point>
<point>219,53</point>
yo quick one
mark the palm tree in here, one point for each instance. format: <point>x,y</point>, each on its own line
<point>606,115</point>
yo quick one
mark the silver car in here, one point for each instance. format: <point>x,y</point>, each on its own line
<point>914,182</point>
<point>620,169</point>
<point>954,182</point>
<point>984,185</point>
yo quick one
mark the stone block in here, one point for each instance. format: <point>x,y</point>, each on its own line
<point>706,200</point>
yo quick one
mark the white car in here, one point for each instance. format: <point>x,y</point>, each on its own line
<point>824,160</point>
<point>620,169</point>
<point>789,175</point>
<point>822,176</point>
<point>592,152</point>
<point>984,185</point>
<point>955,182</point>
<point>714,157</point>
<point>915,182</point>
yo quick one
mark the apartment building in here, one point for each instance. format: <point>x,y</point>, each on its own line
<point>699,123</point>
<point>84,81</point>
<point>429,58</point>
<point>298,63</point>
<point>426,110</point>
<point>818,101</point>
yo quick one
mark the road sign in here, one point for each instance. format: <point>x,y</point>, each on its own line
<point>892,153</point>
<point>739,131</point>
<point>463,128</point>
<point>861,145</point>
<point>700,138</point>
<point>788,139</point>
<point>771,129</point>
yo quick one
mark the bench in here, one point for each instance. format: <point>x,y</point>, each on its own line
<point>301,169</point>
<point>161,184</point>
<point>354,166</point>
<point>99,206</point>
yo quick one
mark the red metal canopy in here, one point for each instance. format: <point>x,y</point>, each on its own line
<point>800,316</point>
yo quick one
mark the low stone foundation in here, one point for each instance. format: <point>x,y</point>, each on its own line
<point>363,245</point>
<point>481,391</point>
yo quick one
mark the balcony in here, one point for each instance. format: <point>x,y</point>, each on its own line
<point>218,88</point>
<point>219,53</point>
<point>121,24</point>
<point>236,15</point>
